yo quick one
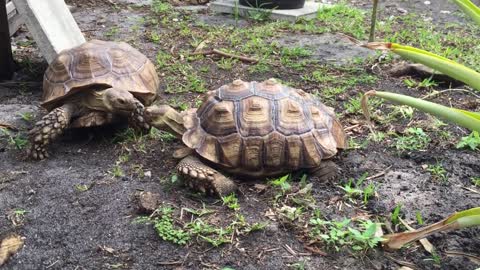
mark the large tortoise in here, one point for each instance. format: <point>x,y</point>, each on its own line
<point>252,129</point>
<point>96,83</point>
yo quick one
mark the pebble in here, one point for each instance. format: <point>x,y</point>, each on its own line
<point>427,2</point>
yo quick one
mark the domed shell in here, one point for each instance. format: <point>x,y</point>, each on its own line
<point>104,63</point>
<point>265,125</point>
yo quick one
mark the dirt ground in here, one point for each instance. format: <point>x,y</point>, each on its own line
<point>66,226</point>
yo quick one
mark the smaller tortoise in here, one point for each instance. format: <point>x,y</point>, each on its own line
<point>252,129</point>
<point>96,83</point>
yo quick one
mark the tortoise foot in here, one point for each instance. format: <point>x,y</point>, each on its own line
<point>326,171</point>
<point>47,130</point>
<point>200,177</point>
<point>37,152</point>
<point>137,119</point>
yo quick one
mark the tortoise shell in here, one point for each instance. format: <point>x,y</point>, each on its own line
<point>263,126</point>
<point>104,63</point>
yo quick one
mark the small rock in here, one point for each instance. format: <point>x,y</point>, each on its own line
<point>148,174</point>
<point>147,201</point>
<point>271,229</point>
<point>427,2</point>
<point>402,10</point>
<point>445,11</point>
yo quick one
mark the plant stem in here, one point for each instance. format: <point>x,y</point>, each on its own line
<point>374,21</point>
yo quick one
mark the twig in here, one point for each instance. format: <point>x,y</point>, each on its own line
<point>170,263</point>
<point>472,190</point>
<point>229,55</point>
<point>315,250</point>
<point>378,174</point>
<point>453,253</point>
<point>290,250</point>
<point>8,126</point>
<point>402,263</point>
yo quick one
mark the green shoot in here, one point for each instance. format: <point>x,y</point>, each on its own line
<point>472,141</point>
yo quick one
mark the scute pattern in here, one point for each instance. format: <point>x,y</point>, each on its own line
<point>110,64</point>
<point>263,126</point>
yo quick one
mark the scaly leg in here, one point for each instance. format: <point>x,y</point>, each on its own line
<point>326,171</point>
<point>48,129</point>
<point>137,119</point>
<point>203,178</point>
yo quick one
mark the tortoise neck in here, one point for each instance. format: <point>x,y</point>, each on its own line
<point>170,120</point>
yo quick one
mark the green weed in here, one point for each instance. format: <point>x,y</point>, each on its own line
<point>395,217</point>
<point>472,141</point>
<point>354,190</point>
<point>475,181</point>
<point>438,172</point>
<point>27,116</point>
<point>338,234</point>
<point>18,140</point>
<point>414,139</point>
<point>231,201</point>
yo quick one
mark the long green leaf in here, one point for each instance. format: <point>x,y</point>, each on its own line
<point>470,120</point>
<point>470,9</point>
<point>442,64</point>
<point>459,220</point>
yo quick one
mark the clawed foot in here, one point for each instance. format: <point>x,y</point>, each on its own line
<point>137,119</point>
<point>37,152</point>
<point>202,178</point>
<point>327,171</point>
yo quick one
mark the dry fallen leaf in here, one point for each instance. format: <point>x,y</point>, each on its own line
<point>10,245</point>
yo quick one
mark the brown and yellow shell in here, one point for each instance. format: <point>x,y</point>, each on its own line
<point>263,126</point>
<point>105,63</point>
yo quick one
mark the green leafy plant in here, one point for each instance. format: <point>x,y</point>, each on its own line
<point>472,141</point>
<point>165,228</point>
<point>231,201</point>
<point>414,139</point>
<point>395,216</point>
<point>338,234</point>
<point>476,181</point>
<point>467,119</point>
<point>358,190</point>
<point>17,140</point>
<point>438,172</point>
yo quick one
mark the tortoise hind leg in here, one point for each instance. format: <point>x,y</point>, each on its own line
<point>326,171</point>
<point>47,129</point>
<point>203,178</point>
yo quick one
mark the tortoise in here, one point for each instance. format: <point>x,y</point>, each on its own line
<point>96,83</point>
<point>253,129</point>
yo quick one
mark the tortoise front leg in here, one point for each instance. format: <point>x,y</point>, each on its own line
<point>137,119</point>
<point>47,129</point>
<point>326,171</point>
<point>202,178</point>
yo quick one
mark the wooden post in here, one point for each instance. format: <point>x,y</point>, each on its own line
<point>6,58</point>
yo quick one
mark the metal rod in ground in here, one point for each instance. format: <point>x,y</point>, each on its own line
<point>6,58</point>
<point>374,21</point>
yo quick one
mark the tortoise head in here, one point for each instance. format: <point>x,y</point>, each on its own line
<point>119,100</point>
<point>165,118</point>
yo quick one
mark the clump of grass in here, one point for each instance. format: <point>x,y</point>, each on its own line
<point>414,139</point>
<point>471,142</point>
